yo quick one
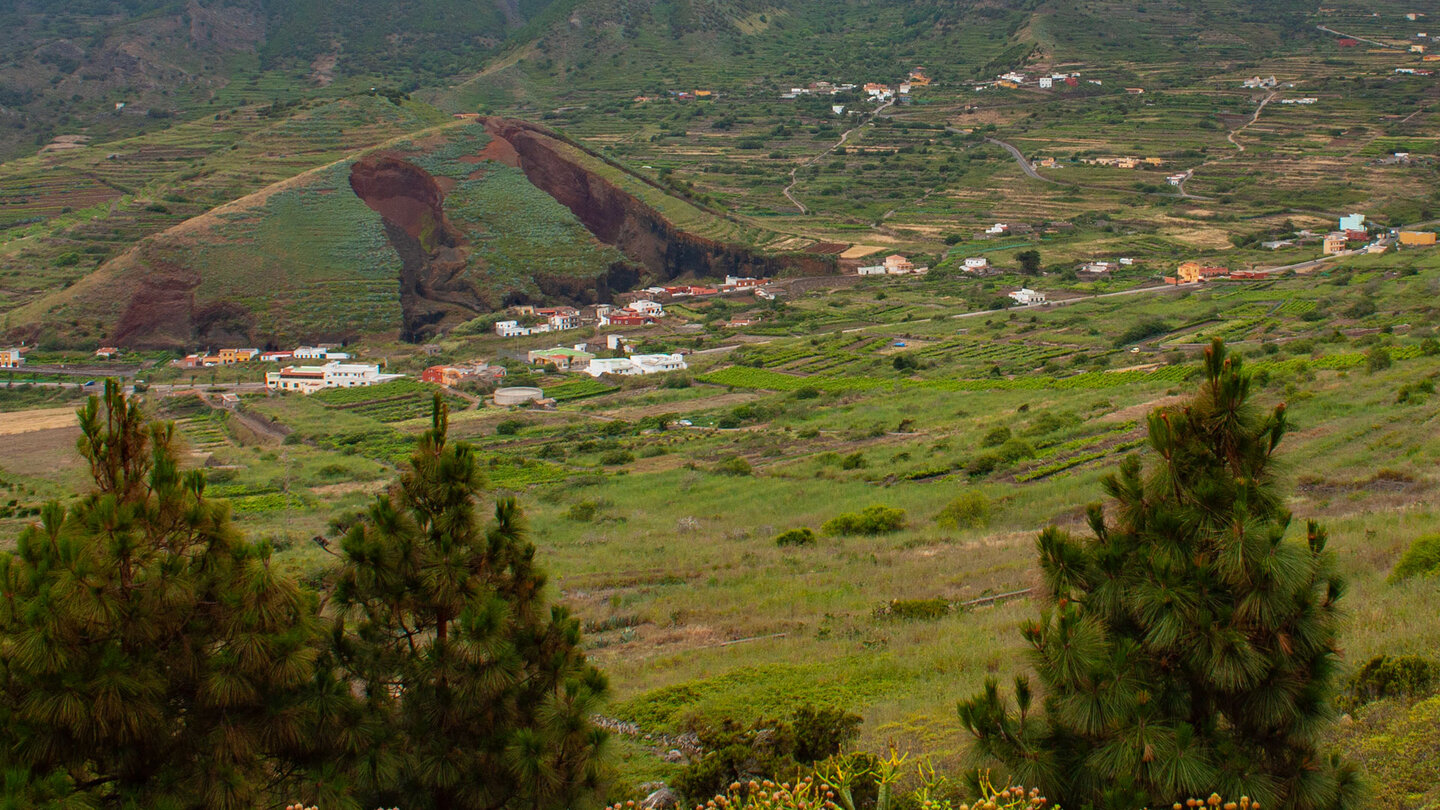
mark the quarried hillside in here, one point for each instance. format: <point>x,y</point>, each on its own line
<point>410,239</point>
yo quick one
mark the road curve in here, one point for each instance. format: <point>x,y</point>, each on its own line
<point>1024,164</point>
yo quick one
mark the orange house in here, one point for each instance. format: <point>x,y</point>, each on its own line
<point>1417,238</point>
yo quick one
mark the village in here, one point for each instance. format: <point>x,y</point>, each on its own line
<point>307,369</point>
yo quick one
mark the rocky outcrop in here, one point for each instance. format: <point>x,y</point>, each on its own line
<point>433,253</point>
<point>618,218</point>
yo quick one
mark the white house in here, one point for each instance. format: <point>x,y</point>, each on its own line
<point>1026,296</point>
<point>514,329</point>
<point>309,379</point>
<point>1353,222</point>
<point>1046,82</point>
<point>636,364</point>
<point>1127,262</point>
<point>611,365</point>
<point>976,264</point>
<point>647,308</point>
<point>997,229</point>
<point>838,109</point>
<point>615,342</point>
<point>317,353</point>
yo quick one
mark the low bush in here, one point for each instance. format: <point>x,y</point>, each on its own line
<point>970,510</point>
<point>583,512</point>
<point>996,437</point>
<point>1384,677</point>
<point>612,458</point>
<point>509,427</point>
<point>734,466</point>
<point>983,464</point>
<point>764,749</point>
<point>854,461</point>
<point>803,536</point>
<point>925,610</point>
<point>873,520</point>
<point>1421,559</point>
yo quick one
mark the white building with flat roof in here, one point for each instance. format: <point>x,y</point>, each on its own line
<point>1026,296</point>
<point>309,379</point>
<point>636,364</point>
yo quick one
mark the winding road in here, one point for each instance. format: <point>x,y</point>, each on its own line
<point>1025,165</point>
<point>1231,138</point>
<point>1030,171</point>
<point>794,181</point>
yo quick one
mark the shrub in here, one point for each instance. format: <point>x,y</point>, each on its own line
<point>808,392</point>
<point>854,461</point>
<point>583,512</point>
<point>873,520</point>
<point>803,536</point>
<point>1421,559</point>
<point>509,427</point>
<point>971,510</point>
<point>676,381</point>
<point>983,464</point>
<point>1378,359</point>
<point>1016,449</point>
<point>821,733</point>
<point>611,458</point>
<point>1383,677</point>
<point>925,610</point>
<point>733,466</point>
<point>996,437</point>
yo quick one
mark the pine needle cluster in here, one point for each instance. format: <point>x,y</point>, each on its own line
<point>1189,644</point>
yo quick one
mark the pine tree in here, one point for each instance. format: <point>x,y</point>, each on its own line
<point>478,694</point>
<point>149,657</point>
<point>1187,646</point>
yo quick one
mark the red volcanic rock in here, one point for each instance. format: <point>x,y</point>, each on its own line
<point>407,197</point>
<point>618,218</point>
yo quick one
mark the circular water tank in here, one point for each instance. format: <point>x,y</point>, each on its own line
<point>517,396</point>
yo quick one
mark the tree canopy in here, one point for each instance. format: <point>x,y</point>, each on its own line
<point>151,657</point>
<point>1189,644</point>
<point>480,688</point>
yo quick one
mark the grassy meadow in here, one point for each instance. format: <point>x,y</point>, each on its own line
<point>661,535</point>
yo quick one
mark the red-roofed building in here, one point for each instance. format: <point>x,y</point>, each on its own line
<point>1347,42</point>
<point>628,319</point>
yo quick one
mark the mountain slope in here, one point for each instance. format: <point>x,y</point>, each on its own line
<point>411,239</point>
<point>68,65</point>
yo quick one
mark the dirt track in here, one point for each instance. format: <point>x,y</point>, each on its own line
<point>42,419</point>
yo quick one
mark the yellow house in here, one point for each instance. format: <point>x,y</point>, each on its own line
<point>1334,243</point>
<point>11,358</point>
<point>1417,238</point>
<point>1188,272</point>
<point>231,356</point>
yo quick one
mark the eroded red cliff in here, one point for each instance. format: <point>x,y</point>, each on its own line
<point>618,218</point>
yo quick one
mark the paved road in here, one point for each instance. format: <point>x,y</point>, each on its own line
<point>1029,170</point>
<point>1024,164</point>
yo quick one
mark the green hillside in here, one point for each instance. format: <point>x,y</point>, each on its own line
<point>306,259</point>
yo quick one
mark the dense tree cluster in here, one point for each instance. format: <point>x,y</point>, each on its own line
<point>152,657</point>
